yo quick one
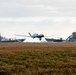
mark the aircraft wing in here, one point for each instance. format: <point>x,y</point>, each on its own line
<point>22,35</point>
<point>50,35</point>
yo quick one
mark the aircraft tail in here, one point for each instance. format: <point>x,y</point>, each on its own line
<point>30,34</point>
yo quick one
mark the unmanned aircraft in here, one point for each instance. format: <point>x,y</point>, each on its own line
<point>33,36</point>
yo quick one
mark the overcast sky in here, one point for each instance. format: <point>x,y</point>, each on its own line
<point>50,17</point>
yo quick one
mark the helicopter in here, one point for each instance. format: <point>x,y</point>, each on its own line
<point>40,36</point>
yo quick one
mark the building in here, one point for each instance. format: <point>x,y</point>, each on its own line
<point>72,38</point>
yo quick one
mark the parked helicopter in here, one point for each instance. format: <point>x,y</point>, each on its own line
<point>33,36</point>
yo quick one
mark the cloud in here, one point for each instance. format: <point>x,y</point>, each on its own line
<point>24,19</point>
<point>30,8</point>
<point>39,24</point>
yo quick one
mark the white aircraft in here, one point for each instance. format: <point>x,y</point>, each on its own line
<point>33,36</point>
